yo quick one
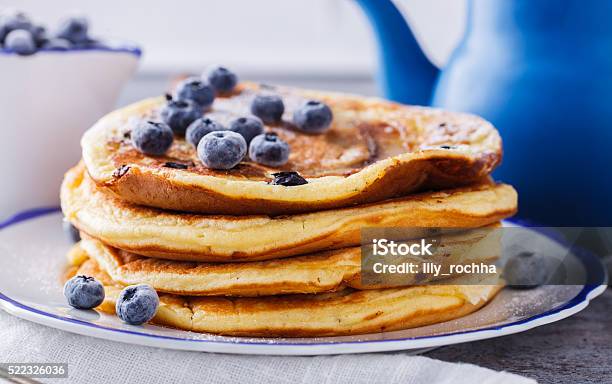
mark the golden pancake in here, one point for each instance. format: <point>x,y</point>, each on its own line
<point>314,273</point>
<point>170,235</point>
<point>374,150</point>
<point>346,312</point>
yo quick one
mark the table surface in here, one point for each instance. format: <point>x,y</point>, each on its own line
<point>574,350</point>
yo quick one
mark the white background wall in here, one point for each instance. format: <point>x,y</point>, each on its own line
<point>304,38</point>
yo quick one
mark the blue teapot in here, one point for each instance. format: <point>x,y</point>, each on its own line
<point>541,72</point>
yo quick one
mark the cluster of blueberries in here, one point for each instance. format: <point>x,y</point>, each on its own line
<point>219,147</point>
<point>136,304</point>
<point>20,35</point>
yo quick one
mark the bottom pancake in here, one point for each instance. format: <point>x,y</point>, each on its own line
<point>346,312</point>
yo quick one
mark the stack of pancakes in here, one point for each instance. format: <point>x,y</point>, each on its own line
<point>232,253</point>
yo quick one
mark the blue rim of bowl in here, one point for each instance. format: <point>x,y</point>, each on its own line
<point>118,48</point>
<point>594,267</point>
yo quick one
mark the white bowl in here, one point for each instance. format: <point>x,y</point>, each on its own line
<point>47,101</point>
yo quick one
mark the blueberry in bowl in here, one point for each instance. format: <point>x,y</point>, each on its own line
<point>222,149</point>
<point>269,108</point>
<point>247,126</point>
<point>57,44</point>
<point>178,114</point>
<point>21,42</point>
<point>84,292</point>
<point>200,128</point>
<point>39,34</point>
<point>12,19</point>
<point>74,28</point>
<point>137,304</point>
<point>269,149</point>
<point>152,138</point>
<point>197,90</point>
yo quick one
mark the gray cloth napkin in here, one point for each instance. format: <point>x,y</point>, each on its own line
<point>94,361</point>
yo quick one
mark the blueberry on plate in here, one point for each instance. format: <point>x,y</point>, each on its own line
<point>74,29</point>
<point>288,179</point>
<point>200,128</point>
<point>248,127</point>
<point>196,90</point>
<point>21,42</point>
<point>178,114</point>
<point>222,149</point>
<point>84,292</point>
<point>313,117</point>
<point>269,108</point>
<point>526,270</point>
<point>152,138</point>
<point>71,231</point>
<point>137,304</point>
<point>57,44</point>
<point>222,79</point>
<point>269,149</point>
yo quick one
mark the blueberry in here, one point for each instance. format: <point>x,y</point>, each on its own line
<point>71,231</point>
<point>269,108</point>
<point>178,114</point>
<point>84,292</point>
<point>526,270</point>
<point>97,43</point>
<point>222,79</point>
<point>74,29</point>
<point>248,127</point>
<point>313,117</point>
<point>197,90</point>
<point>175,165</point>
<point>39,34</point>
<point>200,128</point>
<point>11,20</point>
<point>137,304</point>
<point>222,149</point>
<point>90,43</point>
<point>20,41</point>
<point>269,149</point>
<point>288,179</point>
<point>152,138</point>
<point>57,44</point>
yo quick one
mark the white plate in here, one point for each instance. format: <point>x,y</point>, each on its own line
<point>32,258</point>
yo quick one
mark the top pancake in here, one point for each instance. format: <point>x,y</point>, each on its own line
<point>374,150</point>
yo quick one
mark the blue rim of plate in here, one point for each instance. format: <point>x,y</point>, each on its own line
<point>594,267</point>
